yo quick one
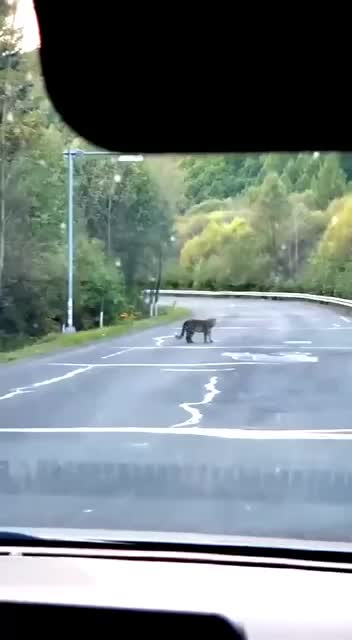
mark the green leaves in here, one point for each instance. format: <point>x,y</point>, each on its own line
<point>123,213</point>
<point>99,285</point>
<point>330,181</point>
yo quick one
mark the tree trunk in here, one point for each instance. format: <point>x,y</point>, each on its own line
<point>296,244</point>
<point>290,259</point>
<point>2,220</point>
<point>109,225</point>
<point>158,280</point>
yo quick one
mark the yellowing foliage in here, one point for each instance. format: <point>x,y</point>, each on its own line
<point>191,225</point>
<point>213,240</point>
<point>336,242</point>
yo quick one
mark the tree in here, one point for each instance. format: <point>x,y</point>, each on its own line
<point>188,226</point>
<point>99,284</point>
<point>346,165</point>
<point>168,176</point>
<point>18,121</point>
<point>219,176</point>
<point>330,182</point>
<point>271,212</point>
<point>336,242</point>
<point>329,269</point>
<point>304,228</point>
<point>223,254</point>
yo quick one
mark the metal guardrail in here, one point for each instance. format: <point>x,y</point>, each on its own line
<point>270,295</point>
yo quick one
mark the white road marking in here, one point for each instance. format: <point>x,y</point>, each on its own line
<point>201,370</point>
<point>297,342</point>
<point>336,326</point>
<point>31,387</point>
<point>139,444</point>
<point>345,319</point>
<point>222,433</point>
<point>15,392</point>
<point>219,328</point>
<point>264,358</point>
<point>118,353</point>
<point>191,407</point>
<point>263,327</point>
<point>159,341</point>
<point>266,347</point>
<point>87,510</point>
<point>163,365</point>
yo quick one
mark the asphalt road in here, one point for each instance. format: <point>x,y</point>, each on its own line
<point>249,435</point>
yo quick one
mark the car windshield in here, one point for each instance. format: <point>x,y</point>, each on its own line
<point>175,331</point>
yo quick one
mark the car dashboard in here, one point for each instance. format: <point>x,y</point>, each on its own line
<point>164,592</point>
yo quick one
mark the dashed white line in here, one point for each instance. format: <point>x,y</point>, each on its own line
<point>345,319</point>
<point>191,407</point>
<point>297,342</point>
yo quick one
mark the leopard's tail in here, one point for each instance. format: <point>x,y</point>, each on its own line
<point>182,332</point>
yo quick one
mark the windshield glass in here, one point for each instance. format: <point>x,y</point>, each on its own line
<point>165,362</point>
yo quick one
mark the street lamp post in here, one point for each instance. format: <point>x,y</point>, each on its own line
<point>70,327</point>
<point>71,155</point>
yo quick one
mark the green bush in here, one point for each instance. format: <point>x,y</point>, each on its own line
<point>176,277</point>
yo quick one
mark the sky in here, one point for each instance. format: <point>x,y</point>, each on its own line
<point>26,19</point>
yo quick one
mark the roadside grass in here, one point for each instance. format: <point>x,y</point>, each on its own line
<point>54,341</point>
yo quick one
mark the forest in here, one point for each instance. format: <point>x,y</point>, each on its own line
<point>265,221</point>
